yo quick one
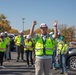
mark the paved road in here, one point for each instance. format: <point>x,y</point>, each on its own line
<point>19,68</point>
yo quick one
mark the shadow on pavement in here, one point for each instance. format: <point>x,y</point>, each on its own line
<point>17,70</point>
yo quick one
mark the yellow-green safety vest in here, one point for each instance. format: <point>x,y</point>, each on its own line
<point>46,48</point>
<point>28,45</point>
<point>17,40</point>
<point>2,45</point>
<point>59,47</point>
<point>64,49</point>
<point>54,43</point>
<point>7,40</point>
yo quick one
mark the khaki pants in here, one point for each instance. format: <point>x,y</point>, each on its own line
<point>42,66</point>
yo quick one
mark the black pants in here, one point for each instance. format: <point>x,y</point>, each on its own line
<point>20,52</point>
<point>28,54</point>
<point>1,58</point>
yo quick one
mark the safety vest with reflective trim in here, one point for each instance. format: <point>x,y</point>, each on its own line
<point>28,45</point>
<point>17,40</point>
<point>46,48</point>
<point>54,43</point>
<point>64,49</point>
<point>59,47</point>
<point>7,40</point>
<point>2,45</point>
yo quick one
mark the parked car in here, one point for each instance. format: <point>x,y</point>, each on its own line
<point>71,57</point>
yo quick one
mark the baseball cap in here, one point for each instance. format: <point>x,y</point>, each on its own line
<point>43,25</point>
<point>61,37</point>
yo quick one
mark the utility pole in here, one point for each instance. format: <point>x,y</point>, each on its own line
<point>23,23</point>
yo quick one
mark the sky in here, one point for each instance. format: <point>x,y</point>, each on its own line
<point>43,11</point>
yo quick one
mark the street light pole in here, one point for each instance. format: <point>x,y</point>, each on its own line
<point>23,23</point>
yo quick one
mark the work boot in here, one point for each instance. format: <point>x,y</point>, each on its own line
<point>17,60</point>
<point>28,66</point>
<point>2,67</point>
<point>65,73</point>
<point>61,73</point>
<point>51,74</point>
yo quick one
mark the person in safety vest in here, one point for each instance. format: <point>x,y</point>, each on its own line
<point>3,44</point>
<point>8,52</point>
<point>62,49</point>
<point>28,48</point>
<point>19,42</point>
<point>43,48</point>
<point>54,52</point>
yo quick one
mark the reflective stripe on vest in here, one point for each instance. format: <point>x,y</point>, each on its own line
<point>44,48</point>
<point>2,48</point>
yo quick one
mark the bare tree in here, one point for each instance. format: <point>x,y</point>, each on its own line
<point>67,32</point>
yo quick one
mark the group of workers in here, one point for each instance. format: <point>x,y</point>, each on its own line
<point>49,49</point>
<point>24,45</point>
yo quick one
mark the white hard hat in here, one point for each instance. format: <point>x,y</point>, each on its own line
<point>5,32</point>
<point>2,34</point>
<point>43,25</point>
<point>28,37</point>
<point>58,33</point>
<point>51,33</point>
<point>21,31</point>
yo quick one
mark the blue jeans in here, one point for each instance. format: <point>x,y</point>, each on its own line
<point>62,61</point>
<point>28,54</point>
<point>53,58</point>
<point>7,54</point>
